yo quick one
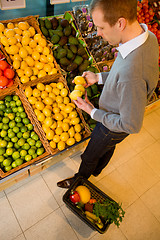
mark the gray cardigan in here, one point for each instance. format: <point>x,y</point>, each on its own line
<point>127,87</point>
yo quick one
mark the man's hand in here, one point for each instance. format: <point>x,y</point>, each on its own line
<point>90,77</point>
<point>84,104</point>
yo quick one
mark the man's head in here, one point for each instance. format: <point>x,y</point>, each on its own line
<point>112,18</point>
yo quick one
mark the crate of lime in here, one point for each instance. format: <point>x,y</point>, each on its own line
<point>92,205</point>
<point>21,143</point>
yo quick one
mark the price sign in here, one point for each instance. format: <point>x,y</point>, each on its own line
<point>12,4</point>
<point>59,1</point>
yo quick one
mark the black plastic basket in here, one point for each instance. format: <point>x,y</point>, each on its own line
<point>96,193</point>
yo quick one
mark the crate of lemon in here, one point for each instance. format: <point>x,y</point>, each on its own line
<point>21,144</point>
<point>27,49</point>
<point>58,117</point>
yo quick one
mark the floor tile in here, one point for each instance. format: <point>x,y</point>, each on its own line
<point>2,194</point>
<point>139,223</point>
<point>60,171</point>
<point>82,230</point>
<point>32,202</point>
<point>9,227</point>
<point>113,233</point>
<point>138,174</point>
<point>151,124</point>
<point>151,198</point>
<point>53,227</point>
<point>141,140</point>
<point>116,187</point>
<point>20,237</point>
<point>151,156</point>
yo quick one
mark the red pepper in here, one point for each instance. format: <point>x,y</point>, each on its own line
<point>74,197</point>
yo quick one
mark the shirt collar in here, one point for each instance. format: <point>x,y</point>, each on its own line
<point>132,44</point>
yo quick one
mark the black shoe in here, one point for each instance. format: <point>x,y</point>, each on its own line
<point>66,183</point>
<point>95,174</point>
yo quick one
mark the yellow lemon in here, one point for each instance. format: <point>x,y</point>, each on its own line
<point>29,49</point>
<point>71,132</point>
<point>61,145</point>
<point>37,112</point>
<point>47,68</point>
<point>41,117</point>
<point>64,92</point>
<point>4,41</point>
<point>45,128</point>
<point>55,104</point>
<point>84,193</point>
<point>75,94</point>
<point>39,105</point>
<point>59,99</point>
<point>39,49</point>
<point>73,114</point>
<point>19,45</point>
<point>33,78</point>
<point>41,73</point>
<point>75,121</point>
<point>58,130</point>
<point>56,109</point>
<point>48,88</point>
<point>24,65</point>
<point>24,79</point>
<point>50,134</point>
<point>80,87</point>
<point>35,55</point>
<point>60,85</point>
<point>25,40</point>
<point>50,58</point>
<point>53,71</point>
<point>43,58</point>
<point>18,37</point>
<point>12,41</point>
<point>52,64</point>
<point>33,43</point>
<point>23,52</point>
<point>48,101</point>
<point>78,137</point>
<point>79,80</point>
<point>66,100</point>
<point>46,51</point>
<point>47,112</point>
<point>35,71</point>
<point>58,116</point>
<point>29,60</point>
<point>42,42</point>
<point>68,109</point>
<point>14,49</point>
<point>61,106</point>
<point>32,100</point>
<point>32,31</point>
<point>10,25</point>
<point>54,125</point>
<point>56,138</point>
<point>64,136</point>
<point>17,57</point>
<point>16,64</point>
<point>39,65</point>
<point>28,71</point>
<point>53,144</point>
<point>44,94</point>
<point>37,37</point>
<point>40,86</point>
<point>9,33</point>
<point>65,127</point>
<point>70,141</point>
<point>20,72</point>
<point>56,91</point>
<point>23,25</point>
<point>2,27</point>
<point>28,91</point>
<point>26,33</point>
<point>18,31</point>
<point>48,121</point>
<point>36,92</point>
<point>59,123</point>
<point>53,84</point>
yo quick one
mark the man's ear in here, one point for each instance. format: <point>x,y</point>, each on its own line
<point>122,22</point>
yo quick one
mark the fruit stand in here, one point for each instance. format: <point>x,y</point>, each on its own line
<point>39,59</point>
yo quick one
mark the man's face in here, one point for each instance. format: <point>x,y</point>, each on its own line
<point>108,33</point>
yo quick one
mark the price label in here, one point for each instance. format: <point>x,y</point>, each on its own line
<point>12,4</point>
<point>59,1</point>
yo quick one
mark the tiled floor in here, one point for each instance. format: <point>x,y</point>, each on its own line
<point>33,208</point>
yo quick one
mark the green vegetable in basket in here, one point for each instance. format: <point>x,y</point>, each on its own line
<point>110,211</point>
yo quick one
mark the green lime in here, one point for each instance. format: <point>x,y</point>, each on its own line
<point>15,109</point>
<point>12,104</point>
<point>1,125</point>
<point>20,124</point>
<point>11,134</point>
<point>1,113</point>
<point>21,142</point>
<point>7,162</point>
<point>10,130</point>
<point>19,161</point>
<point>16,129</point>
<point>18,119</point>
<point>12,124</point>
<point>18,103</point>
<point>11,116</point>
<point>14,139</point>
<point>34,155</point>
<point>28,157</point>
<point>29,139</point>
<point>1,158</point>
<point>3,144</point>
<point>18,114</point>
<point>23,129</point>
<point>16,155</point>
<point>26,146</point>
<point>1,102</point>
<point>30,126</point>
<point>26,121</point>
<point>7,104</point>
<point>26,135</point>
<point>19,135</point>
<point>35,136</point>
<point>8,98</point>
<point>5,126</point>
<point>8,110</point>
<point>21,109</point>
<point>3,133</point>
<point>10,145</point>
<point>23,153</point>
<point>16,145</point>
<point>2,107</point>
<point>15,98</point>
<point>40,151</point>
<point>14,164</point>
<point>9,151</point>
<point>5,120</point>
<point>6,138</point>
<point>23,115</point>
<point>38,144</point>
<point>31,151</point>
<point>8,168</point>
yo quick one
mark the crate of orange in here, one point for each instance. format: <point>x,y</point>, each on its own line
<point>57,117</point>
<point>27,49</point>
<point>21,142</point>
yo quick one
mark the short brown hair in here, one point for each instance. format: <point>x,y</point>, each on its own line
<point>115,9</point>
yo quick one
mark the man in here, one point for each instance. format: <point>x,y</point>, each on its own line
<point>127,87</point>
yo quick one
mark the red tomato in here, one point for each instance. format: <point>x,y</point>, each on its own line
<point>10,83</point>
<point>3,81</point>
<point>9,73</point>
<point>3,65</point>
<point>1,72</point>
<point>74,197</point>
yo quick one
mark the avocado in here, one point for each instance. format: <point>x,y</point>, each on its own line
<point>73,48</point>
<point>54,22</point>
<point>51,33</point>
<point>55,39</point>
<point>69,54</point>
<point>92,69</point>
<point>94,89</point>
<point>58,32</point>
<point>73,31</point>
<point>59,28</point>
<point>64,23</point>
<point>63,40</point>
<point>89,92</point>
<point>41,22</point>
<point>61,53</point>
<point>48,23</point>
<point>64,61</point>
<point>73,40</point>
<point>83,66</point>
<point>85,56</point>
<point>44,31</point>
<point>78,60</point>
<point>72,67</point>
<point>81,51</point>
<point>67,31</point>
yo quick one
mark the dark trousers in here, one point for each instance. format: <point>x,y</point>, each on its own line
<point>99,150</point>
